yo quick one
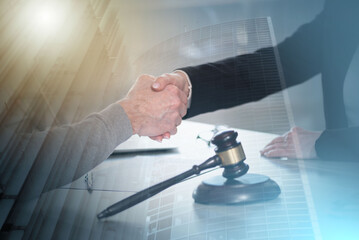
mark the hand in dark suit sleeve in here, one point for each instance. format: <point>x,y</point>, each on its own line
<point>231,82</point>
<point>247,78</point>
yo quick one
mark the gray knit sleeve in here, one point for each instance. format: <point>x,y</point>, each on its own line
<point>60,155</point>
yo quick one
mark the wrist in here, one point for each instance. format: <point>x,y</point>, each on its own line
<point>127,107</point>
<point>317,135</point>
<point>187,86</point>
<point>185,79</point>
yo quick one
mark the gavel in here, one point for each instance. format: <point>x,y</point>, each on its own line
<point>229,155</point>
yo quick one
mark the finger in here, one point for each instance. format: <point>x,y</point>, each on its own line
<point>146,78</point>
<point>177,105</point>
<point>157,138</point>
<point>296,129</point>
<point>178,122</point>
<point>267,149</point>
<point>274,146</point>
<point>173,131</point>
<point>166,135</point>
<point>290,153</point>
<point>162,81</point>
<point>183,97</point>
<point>172,121</point>
<point>182,110</point>
<point>175,91</point>
<point>275,140</point>
<point>288,136</point>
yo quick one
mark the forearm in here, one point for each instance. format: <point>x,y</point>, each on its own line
<point>232,81</point>
<point>67,152</point>
<point>250,77</point>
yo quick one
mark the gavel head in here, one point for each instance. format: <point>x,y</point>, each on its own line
<point>231,153</point>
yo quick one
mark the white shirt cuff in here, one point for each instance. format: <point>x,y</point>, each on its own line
<point>189,97</point>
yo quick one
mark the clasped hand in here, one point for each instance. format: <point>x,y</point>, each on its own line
<point>154,112</point>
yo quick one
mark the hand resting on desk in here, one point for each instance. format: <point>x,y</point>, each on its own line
<point>296,143</point>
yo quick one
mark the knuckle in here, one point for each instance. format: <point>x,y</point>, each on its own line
<point>171,119</point>
<point>173,89</point>
<point>295,129</point>
<point>174,131</point>
<point>143,76</point>
<point>174,117</point>
<point>161,78</point>
<point>146,76</point>
<point>176,103</point>
<point>277,139</point>
<point>167,127</point>
<point>179,122</point>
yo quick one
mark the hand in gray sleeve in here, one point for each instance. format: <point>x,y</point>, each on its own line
<point>55,157</point>
<point>63,154</point>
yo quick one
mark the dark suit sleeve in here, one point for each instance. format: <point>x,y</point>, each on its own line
<point>251,77</point>
<point>231,82</point>
<point>338,144</point>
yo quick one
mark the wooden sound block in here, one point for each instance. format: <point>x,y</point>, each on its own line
<point>246,189</point>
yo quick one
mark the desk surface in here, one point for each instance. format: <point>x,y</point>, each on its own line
<point>316,201</point>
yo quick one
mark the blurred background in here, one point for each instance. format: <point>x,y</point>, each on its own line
<point>63,59</point>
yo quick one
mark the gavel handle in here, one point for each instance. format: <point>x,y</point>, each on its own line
<point>149,192</point>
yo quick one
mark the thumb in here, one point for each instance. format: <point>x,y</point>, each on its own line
<point>161,82</point>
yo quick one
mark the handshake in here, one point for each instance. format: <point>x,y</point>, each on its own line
<point>155,106</point>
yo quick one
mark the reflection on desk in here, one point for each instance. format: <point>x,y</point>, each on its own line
<point>306,209</point>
